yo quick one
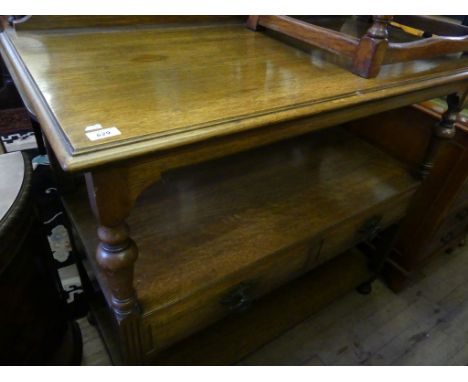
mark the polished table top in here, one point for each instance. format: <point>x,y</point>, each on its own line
<point>166,87</point>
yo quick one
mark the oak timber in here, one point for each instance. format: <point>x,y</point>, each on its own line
<point>206,228</point>
<point>426,324</point>
<point>189,84</point>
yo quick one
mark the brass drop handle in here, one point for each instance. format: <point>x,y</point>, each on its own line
<point>240,298</point>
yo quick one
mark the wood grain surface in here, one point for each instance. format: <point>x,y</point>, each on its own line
<point>166,87</point>
<point>426,324</point>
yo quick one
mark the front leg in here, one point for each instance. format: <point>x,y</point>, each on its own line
<point>116,254</point>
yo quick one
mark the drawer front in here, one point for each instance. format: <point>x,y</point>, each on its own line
<point>235,294</point>
<point>178,320</point>
<point>362,227</point>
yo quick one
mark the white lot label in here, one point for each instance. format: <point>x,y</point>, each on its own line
<point>103,133</point>
<point>97,126</point>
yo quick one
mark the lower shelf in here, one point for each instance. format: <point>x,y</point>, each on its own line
<point>255,221</point>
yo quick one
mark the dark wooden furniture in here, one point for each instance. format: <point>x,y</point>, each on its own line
<point>34,326</point>
<point>365,40</point>
<point>438,218</point>
<point>9,97</point>
<point>217,187</point>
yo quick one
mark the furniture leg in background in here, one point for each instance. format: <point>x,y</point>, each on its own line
<point>444,173</point>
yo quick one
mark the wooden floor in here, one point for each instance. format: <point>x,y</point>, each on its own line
<point>427,324</point>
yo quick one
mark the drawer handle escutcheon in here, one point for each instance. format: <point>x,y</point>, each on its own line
<point>239,298</point>
<point>370,228</point>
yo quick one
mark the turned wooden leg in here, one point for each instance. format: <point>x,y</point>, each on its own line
<point>116,256</point>
<point>443,131</point>
<point>372,47</point>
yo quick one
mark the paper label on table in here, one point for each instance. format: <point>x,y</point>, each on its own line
<point>103,133</point>
<point>97,126</point>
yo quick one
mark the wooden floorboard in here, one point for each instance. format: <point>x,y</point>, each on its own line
<point>94,352</point>
<point>426,324</point>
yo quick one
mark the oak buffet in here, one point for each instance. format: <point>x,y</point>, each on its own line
<point>216,170</point>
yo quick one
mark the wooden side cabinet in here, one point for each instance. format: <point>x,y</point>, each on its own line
<point>437,220</point>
